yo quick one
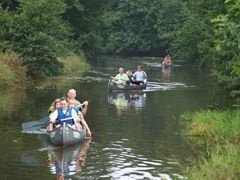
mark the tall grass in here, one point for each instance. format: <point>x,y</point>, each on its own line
<point>12,73</point>
<point>220,129</point>
<point>217,126</point>
<point>74,65</point>
<point>223,163</point>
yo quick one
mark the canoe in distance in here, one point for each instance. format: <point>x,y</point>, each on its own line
<point>65,135</point>
<point>119,87</point>
<point>167,65</point>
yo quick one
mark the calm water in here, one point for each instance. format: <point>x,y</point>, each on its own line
<point>135,135</point>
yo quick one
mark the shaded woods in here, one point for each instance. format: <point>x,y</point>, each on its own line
<point>204,33</point>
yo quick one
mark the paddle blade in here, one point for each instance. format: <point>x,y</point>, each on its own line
<point>33,125</point>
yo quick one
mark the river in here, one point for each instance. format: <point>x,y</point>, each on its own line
<point>135,135</point>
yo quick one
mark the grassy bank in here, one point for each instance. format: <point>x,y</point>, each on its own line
<point>12,73</point>
<point>221,131</point>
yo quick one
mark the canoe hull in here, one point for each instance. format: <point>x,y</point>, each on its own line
<point>120,87</point>
<point>167,65</point>
<point>66,135</point>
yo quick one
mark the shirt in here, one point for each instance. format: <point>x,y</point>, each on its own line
<point>54,115</point>
<point>139,75</point>
<point>122,77</point>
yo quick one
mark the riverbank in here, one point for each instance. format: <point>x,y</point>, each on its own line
<point>220,131</point>
<point>14,75</point>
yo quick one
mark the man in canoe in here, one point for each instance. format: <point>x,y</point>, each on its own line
<point>72,96</point>
<point>140,76</point>
<point>63,114</point>
<point>120,78</point>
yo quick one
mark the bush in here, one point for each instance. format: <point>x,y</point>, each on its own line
<point>37,32</point>
<point>12,73</point>
<point>74,65</point>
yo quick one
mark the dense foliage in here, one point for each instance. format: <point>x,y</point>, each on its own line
<point>205,33</point>
<point>140,27</point>
<point>36,32</point>
<point>227,43</point>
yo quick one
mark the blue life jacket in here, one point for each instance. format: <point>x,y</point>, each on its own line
<point>68,114</point>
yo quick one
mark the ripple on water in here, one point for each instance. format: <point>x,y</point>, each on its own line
<point>99,73</point>
<point>161,86</point>
<point>124,163</point>
<point>158,64</point>
<point>89,79</point>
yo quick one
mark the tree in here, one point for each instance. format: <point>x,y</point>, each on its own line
<point>194,40</point>
<point>85,19</point>
<point>37,32</point>
<point>227,46</point>
<point>129,27</point>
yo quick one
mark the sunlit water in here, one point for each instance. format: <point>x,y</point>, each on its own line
<point>136,135</point>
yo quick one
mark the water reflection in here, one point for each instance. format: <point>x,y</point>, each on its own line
<point>166,73</point>
<point>65,162</point>
<point>124,101</point>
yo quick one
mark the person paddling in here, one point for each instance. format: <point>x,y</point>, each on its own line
<point>120,78</point>
<point>63,114</point>
<point>140,76</point>
<point>72,96</point>
<point>167,60</point>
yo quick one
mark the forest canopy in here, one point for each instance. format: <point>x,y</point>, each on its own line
<point>200,32</point>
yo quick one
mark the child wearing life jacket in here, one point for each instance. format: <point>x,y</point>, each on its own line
<point>79,123</point>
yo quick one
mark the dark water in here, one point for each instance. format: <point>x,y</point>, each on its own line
<point>135,135</point>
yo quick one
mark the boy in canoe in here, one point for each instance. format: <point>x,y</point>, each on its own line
<point>68,113</point>
<point>63,114</point>
<point>131,79</point>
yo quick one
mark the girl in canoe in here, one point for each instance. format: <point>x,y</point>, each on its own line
<point>56,104</point>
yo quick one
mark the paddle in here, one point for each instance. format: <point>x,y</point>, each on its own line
<point>34,125</point>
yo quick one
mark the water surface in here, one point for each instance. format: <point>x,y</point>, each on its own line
<point>135,135</point>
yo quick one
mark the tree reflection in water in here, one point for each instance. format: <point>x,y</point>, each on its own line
<point>65,162</point>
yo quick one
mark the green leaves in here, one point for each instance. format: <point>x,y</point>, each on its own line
<point>37,33</point>
<point>227,44</point>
